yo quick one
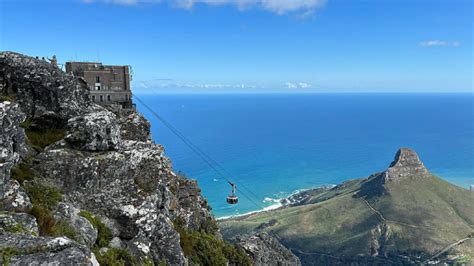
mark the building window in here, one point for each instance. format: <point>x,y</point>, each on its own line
<point>93,98</point>
<point>108,98</point>
<point>97,87</point>
<point>101,98</point>
<point>97,79</point>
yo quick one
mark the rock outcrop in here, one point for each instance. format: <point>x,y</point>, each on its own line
<point>46,94</point>
<point>95,131</point>
<point>266,250</point>
<point>13,147</point>
<point>405,165</point>
<point>32,250</point>
<point>105,172</point>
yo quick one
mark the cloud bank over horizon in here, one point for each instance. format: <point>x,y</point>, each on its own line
<point>434,43</point>
<point>160,85</point>
<point>302,8</point>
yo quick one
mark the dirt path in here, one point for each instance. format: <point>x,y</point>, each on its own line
<point>447,248</point>
<point>385,219</point>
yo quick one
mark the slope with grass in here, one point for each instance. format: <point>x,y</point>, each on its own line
<point>402,215</point>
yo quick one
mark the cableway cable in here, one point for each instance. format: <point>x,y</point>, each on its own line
<point>208,160</point>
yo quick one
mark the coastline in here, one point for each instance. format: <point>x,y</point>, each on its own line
<point>293,199</point>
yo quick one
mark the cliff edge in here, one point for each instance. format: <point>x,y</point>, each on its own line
<point>82,184</point>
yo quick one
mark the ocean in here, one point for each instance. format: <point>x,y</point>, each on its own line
<point>276,144</point>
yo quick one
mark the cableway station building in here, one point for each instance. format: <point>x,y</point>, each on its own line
<point>108,84</point>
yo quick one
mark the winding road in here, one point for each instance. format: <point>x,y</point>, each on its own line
<point>447,248</point>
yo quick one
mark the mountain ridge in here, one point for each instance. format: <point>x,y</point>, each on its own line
<point>403,215</point>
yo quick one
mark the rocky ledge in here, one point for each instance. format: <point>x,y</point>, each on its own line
<point>266,250</point>
<point>82,184</point>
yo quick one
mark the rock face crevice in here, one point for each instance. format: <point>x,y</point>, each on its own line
<point>106,164</point>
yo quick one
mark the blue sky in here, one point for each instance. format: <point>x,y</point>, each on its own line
<point>256,45</point>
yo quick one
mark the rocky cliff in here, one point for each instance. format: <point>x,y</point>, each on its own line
<point>80,183</point>
<point>266,250</point>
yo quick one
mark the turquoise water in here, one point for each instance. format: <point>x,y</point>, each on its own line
<point>275,144</point>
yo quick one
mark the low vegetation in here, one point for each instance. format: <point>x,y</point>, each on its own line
<point>22,172</point>
<point>45,200</point>
<point>104,234</point>
<point>16,228</point>
<point>115,257</point>
<point>6,253</point>
<point>42,195</point>
<point>41,138</point>
<point>203,248</point>
<point>4,98</point>
<point>420,216</point>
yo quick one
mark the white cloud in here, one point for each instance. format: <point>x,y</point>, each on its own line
<point>302,8</point>
<point>298,85</point>
<point>432,43</point>
<point>285,6</point>
<point>155,84</point>
<point>290,85</point>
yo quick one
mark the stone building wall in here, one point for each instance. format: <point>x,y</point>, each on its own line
<point>107,84</point>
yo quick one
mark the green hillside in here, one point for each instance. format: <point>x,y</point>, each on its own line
<point>402,215</point>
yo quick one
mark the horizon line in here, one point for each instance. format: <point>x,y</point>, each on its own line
<point>298,92</point>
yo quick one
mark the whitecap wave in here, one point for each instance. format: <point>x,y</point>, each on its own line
<point>268,199</point>
<point>277,202</point>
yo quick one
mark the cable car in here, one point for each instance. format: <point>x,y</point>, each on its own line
<point>232,198</point>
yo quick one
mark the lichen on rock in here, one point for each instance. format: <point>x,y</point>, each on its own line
<point>266,250</point>
<point>106,166</point>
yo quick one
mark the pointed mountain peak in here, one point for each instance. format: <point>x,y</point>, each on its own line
<point>406,164</point>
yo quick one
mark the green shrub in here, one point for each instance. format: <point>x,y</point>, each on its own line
<point>39,139</point>
<point>49,226</point>
<point>45,199</point>
<point>44,218</point>
<point>44,138</point>
<point>44,196</point>
<point>4,98</point>
<point>235,256</point>
<point>147,261</point>
<point>26,124</point>
<point>207,249</point>
<point>7,253</point>
<point>115,257</point>
<point>104,234</point>
<point>63,228</point>
<point>22,172</point>
<point>209,226</point>
<point>462,260</point>
<point>16,228</point>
